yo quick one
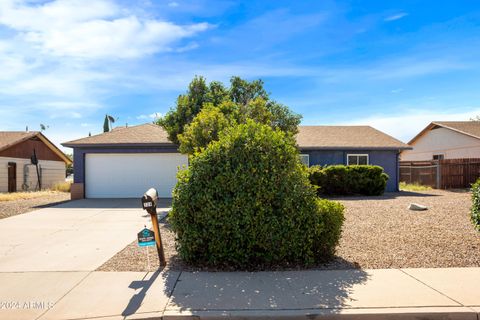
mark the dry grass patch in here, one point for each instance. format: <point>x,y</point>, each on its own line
<point>21,202</point>
<point>413,187</point>
<point>62,186</point>
<point>26,195</point>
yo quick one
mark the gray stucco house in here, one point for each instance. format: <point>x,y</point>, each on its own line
<point>126,161</point>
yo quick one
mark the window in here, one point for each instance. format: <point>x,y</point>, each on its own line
<point>305,158</point>
<point>356,159</point>
<point>438,157</point>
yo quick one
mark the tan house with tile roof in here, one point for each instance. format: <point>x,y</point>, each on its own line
<point>17,173</point>
<point>445,140</point>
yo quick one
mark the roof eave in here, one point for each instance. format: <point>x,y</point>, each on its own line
<point>117,145</point>
<point>390,148</point>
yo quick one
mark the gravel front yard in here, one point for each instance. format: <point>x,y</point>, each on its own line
<point>379,232</point>
<point>14,207</point>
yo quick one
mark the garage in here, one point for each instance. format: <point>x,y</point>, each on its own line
<point>129,175</point>
<point>125,162</point>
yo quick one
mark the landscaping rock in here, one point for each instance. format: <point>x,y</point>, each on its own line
<point>417,207</point>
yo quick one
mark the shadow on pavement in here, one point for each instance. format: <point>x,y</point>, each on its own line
<point>125,203</point>
<point>169,279</point>
<point>275,290</point>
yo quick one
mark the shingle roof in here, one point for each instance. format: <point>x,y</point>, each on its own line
<point>469,128</point>
<point>11,138</point>
<point>315,137</point>
<point>144,134</point>
<point>344,137</point>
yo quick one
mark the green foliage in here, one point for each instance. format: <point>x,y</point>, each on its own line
<point>246,202</point>
<point>242,91</point>
<point>249,99</point>
<point>212,120</point>
<point>475,210</point>
<point>188,106</point>
<point>205,128</point>
<point>69,167</point>
<point>344,180</point>
<point>106,124</point>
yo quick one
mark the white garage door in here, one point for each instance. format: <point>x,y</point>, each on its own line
<point>129,175</point>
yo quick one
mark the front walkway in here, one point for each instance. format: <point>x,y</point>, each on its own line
<point>349,294</point>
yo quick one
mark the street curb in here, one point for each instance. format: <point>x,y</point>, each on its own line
<point>433,313</point>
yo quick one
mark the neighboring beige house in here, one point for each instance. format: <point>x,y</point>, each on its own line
<point>445,140</point>
<point>17,173</point>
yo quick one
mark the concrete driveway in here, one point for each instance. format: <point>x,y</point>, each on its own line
<point>75,236</point>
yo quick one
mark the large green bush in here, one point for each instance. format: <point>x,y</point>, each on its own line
<point>345,180</point>
<point>246,202</point>
<point>475,211</point>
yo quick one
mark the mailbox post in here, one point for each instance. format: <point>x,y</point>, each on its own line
<point>149,203</point>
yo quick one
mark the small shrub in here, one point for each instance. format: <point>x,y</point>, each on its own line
<point>245,202</point>
<point>475,211</point>
<point>62,186</point>
<point>345,180</point>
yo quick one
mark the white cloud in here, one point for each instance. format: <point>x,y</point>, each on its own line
<point>406,125</point>
<point>151,116</point>
<point>173,4</point>
<point>101,29</point>
<point>396,16</point>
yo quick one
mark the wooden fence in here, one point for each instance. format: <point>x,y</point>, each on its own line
<point>441,174</point>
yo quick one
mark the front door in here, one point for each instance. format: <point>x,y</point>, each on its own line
<point>12,177</point>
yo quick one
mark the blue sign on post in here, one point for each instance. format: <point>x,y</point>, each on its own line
<point>146,238</point>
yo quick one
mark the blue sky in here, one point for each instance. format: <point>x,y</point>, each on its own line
<point>395,65</point>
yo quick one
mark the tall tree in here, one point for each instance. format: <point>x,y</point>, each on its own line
<point>241,92</point>
<point>187,107</point>
<point>211,121</point>
<point>108,123</point>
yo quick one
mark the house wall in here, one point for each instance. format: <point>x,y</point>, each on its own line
<point>79,156</point>
<point>52,172</point>
<point>387,159</point>
<point>24,150</point>
<point>452,144</point>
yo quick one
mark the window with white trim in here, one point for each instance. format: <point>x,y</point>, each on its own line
<point>439,156</point>
<point>357,159</point>
<point>305,158</point>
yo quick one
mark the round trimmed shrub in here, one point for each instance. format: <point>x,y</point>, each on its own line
<point>345,180</point>
<point>246,202</point>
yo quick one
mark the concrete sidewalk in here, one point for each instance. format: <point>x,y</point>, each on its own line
<point>349,294</point>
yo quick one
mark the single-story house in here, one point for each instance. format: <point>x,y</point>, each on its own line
<point>126,161</point>
<point>17,173</point>
<point>351,145</point>
<point>445,140</point>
